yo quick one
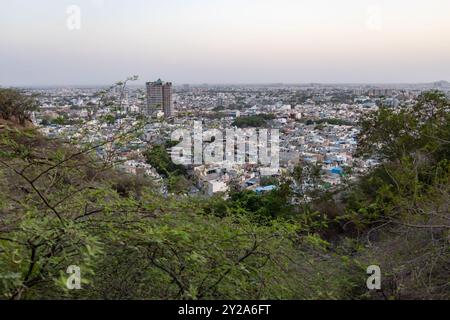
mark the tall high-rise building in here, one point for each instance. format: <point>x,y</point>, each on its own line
<point>159,97</point>
<point>168,107</point>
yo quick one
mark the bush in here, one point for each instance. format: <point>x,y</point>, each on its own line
<point>14,105</point>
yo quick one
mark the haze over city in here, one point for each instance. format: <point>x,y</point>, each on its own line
<point>199,41</point>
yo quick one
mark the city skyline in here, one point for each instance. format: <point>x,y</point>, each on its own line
<point>224,42</point>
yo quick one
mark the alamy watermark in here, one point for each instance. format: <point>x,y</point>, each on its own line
<point>374,280</point>
<point>374,20</point>
<point>234,146</point>
<point>73,21</point>
<point>74,280</point>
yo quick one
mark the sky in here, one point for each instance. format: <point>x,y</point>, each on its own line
<point>97,42</point>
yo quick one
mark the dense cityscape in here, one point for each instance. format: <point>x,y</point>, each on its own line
<point>318,124</point>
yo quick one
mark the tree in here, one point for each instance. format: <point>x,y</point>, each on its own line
<point>253,121</point>
<point>400,205</point>
<point>392,134</point>
<point>58,209</point>
<point>14,105</point>
<point>51,188</point>
<point>268,181</point>
<point>159,158</point>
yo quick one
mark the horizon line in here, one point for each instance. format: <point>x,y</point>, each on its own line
<point>200,84</point>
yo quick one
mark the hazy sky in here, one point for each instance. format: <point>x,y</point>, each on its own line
<point>224,41</point>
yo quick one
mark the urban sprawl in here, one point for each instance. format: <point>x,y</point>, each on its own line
<point>317,125</point>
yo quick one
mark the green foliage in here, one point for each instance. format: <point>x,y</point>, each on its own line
<point>393,134</point>
<point>179,184</point>
<point>159,158</point>
<point>269,181</point>
<point>48,194</point>
<point>332,121</point>
<point>253,121</point>
<point>403,203</point>
<point>262,207</point>
<point>109,119</point>
<point>62,206</point>
<point>56,212</point>
<point>14,105</point>
<point>183,255</point>
<point>60,121</point>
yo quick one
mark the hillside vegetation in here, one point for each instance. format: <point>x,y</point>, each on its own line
<point>60,206</point>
